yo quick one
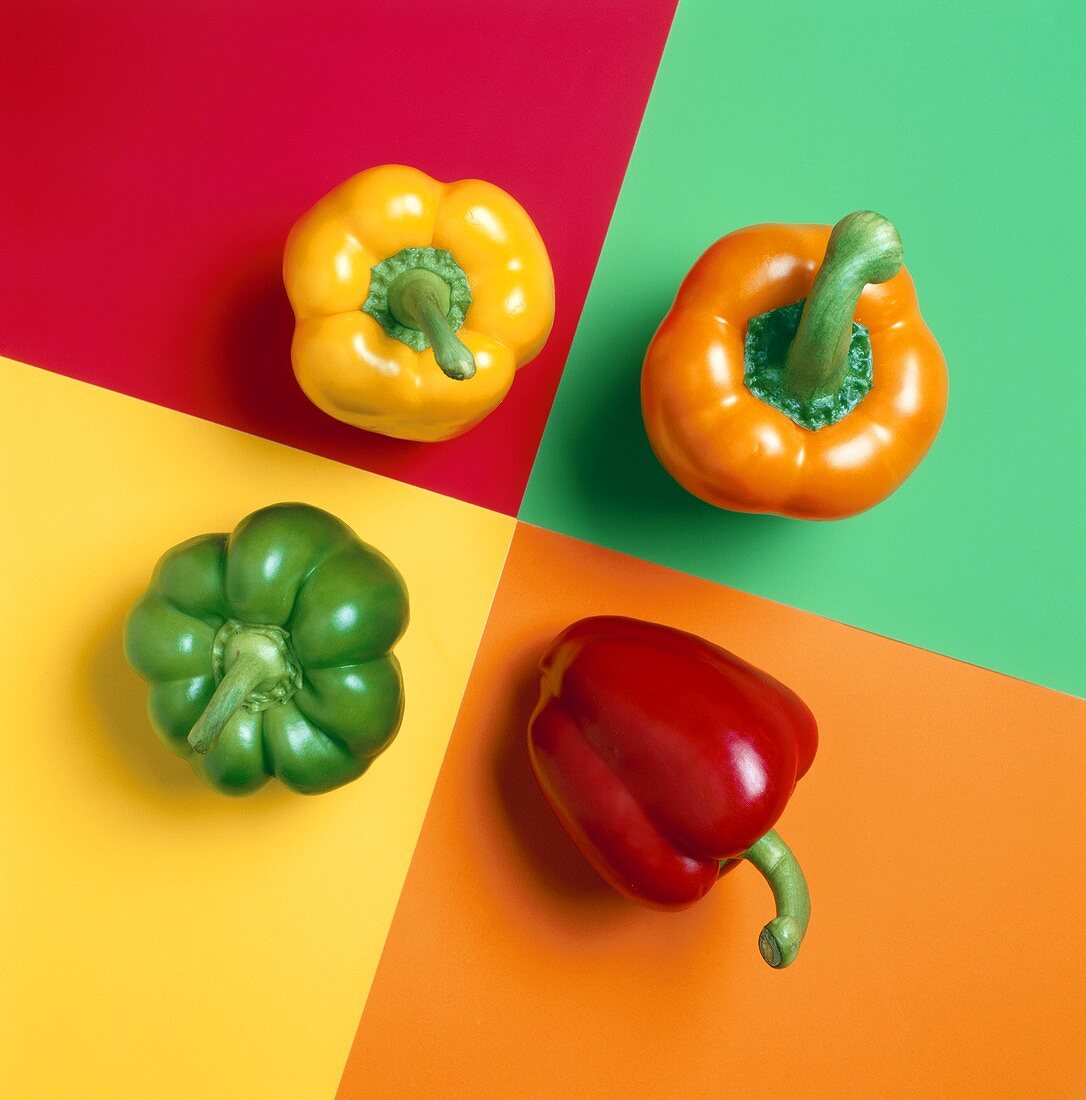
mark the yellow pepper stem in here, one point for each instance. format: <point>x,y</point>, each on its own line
<point>420,299</point>
<point>863,248</point>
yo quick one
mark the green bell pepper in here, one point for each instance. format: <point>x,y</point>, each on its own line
<point>268,651</point>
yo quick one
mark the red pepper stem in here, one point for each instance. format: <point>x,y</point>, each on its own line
<point>420,300</point>
<point>242,678</point>
<point>863,248</point>
<point>781,937</point>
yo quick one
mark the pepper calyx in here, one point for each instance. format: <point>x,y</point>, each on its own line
<point>420,296</point>
<point>255,668</point>
<point>271,645</point>
<point>765,351</point>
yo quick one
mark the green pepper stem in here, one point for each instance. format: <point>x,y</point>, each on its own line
<point>419,299</point>
<point>863,248</point>
<point>780,939</point>
<point>243,677</point>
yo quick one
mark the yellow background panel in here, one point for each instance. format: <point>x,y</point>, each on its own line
<point>158,939</point>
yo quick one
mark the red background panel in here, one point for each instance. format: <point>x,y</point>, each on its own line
<point>156,155</point>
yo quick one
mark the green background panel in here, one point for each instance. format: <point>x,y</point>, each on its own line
<point>962,123</point>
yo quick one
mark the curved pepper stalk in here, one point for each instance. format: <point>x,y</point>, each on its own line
<point>864,249</point>
<point>780,939</point>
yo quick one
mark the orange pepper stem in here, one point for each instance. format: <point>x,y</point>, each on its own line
<point>863,248</point>
<point>419,299</point>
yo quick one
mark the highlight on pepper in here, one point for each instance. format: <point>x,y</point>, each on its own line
<point>668,761</point>
<point>794,374</point>
<point>269,651</point>
<point>415,301</point>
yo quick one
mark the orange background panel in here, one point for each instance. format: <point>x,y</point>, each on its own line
<point>940,828</point>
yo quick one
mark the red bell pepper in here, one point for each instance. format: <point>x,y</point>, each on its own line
<point>668,760</point>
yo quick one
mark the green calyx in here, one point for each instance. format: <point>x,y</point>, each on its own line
<point>810,360</point>
<point>420,296</point>
<point>780,939</point>
<point>769,336</point>
<point>255,668</point>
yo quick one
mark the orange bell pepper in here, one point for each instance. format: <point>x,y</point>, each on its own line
<point>778,385</point>
<point>415,301</point>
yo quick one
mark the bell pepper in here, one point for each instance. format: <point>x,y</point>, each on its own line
<point>269,651</point>
<point>415,301</point>
<point>776,384</point>
<point>668,760</point>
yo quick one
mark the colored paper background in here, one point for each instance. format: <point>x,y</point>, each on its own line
<point>964,126</point>
<point>940,829</point>
<point>165,152</point>
<point>159,939</point>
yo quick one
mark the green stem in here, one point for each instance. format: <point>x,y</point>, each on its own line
<point>781,937</point>
<point>863,248</point>
<point>420,299</point>
<point>242,678</point>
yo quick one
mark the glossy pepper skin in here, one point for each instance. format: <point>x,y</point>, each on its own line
<point>269,651</point>
<point>415,301</point>
<point>667,759</point>
<point>738,450</point>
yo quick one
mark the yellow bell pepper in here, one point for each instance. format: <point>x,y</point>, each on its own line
<point>415,301</point>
